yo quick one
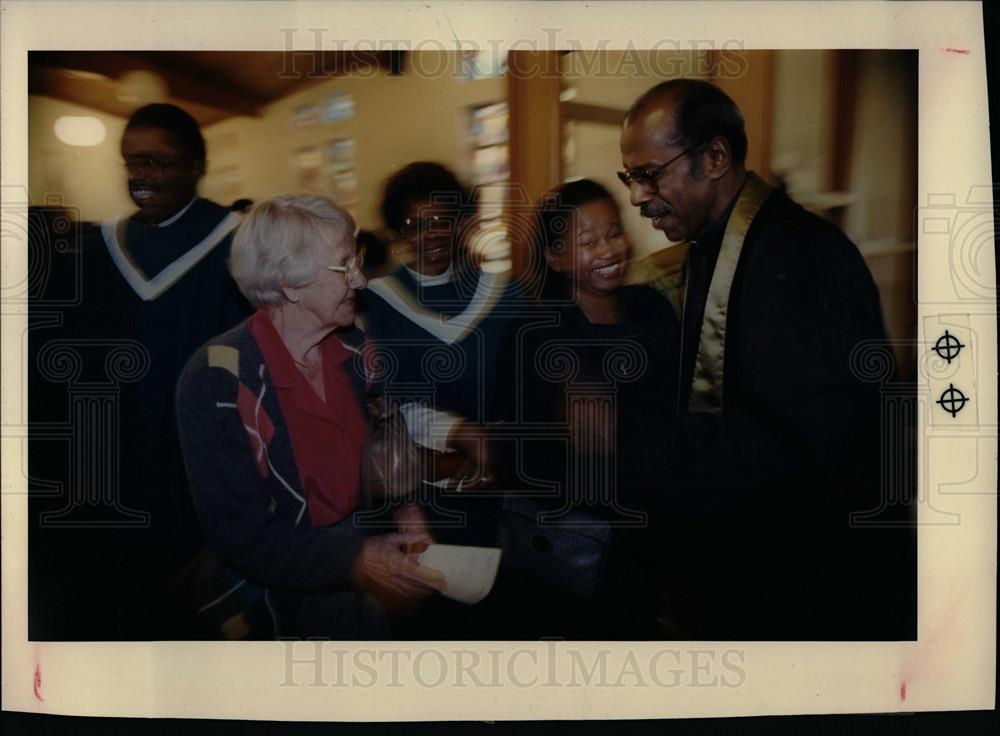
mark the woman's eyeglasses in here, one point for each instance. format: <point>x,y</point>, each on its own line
<point>429,226</point>
<point>352,267</point>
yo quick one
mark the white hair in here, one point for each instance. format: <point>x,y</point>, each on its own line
<point>278,242</point>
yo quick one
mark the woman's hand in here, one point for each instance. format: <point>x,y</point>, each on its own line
<point>410,518</point>
<point>385,570</point>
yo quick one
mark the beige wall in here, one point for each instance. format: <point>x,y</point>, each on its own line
<point>801,119</point>
<point>881,189</point>
<point>617,78</point>
<point>883,162</point>
<point>616,81</point>
<point>423,116</point>
<point>91,178</point>
<point>397,120</point>
<point>420,115</point>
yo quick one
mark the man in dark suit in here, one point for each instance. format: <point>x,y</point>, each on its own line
<point>779,429</point>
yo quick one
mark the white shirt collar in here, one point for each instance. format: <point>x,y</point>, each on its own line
<point>175,218</point>
<point>426,280</point>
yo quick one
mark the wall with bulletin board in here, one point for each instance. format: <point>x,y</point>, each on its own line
<point>344,136</point>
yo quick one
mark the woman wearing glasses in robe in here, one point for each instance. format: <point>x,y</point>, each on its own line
<point>273,428</point>
<point>437,320</point>
<point>434,323</point>
<point>599,359</point>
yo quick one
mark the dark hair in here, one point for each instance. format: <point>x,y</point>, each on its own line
<point>376,251</point>
<point>163,116</point>
<point>417,182</point>
<point>554,221</point>
<point>703,112</point>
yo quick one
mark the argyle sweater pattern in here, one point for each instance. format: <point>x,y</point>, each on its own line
<point>243,473</point>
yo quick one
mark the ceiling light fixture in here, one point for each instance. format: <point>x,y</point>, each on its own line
<point>80,130</point>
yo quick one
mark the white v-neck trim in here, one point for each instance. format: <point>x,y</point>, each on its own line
<point>488,291</point>
<point>150,289</point>
<point>174,218</point>
<point>423,279</point>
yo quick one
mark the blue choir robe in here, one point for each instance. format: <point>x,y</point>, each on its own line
<point>148,297</point>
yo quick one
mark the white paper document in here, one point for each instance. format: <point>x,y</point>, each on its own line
<point>469,571</point>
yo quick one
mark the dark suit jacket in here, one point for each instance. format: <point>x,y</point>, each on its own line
<point>760,540</point>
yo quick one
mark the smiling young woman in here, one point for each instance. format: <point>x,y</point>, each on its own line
<point>596,362</point>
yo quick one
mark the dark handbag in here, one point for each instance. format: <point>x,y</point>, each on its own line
<point>395,466</point>
<point>567,550</point>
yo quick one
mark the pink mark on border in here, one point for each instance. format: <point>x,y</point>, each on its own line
<point>902,692</point>
<point>38,682</point>
<point>964,52</point>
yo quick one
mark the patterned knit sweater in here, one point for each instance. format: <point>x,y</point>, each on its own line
<point>243,473</point>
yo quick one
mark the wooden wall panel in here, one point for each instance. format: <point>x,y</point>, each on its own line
<point>748,77</point>
<point>533,86</point>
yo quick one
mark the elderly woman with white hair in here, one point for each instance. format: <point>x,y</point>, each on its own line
<point>273,429</point>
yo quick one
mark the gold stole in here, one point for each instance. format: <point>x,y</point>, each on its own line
<point>706,382</point>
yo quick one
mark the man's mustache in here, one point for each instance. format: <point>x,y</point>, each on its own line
<point>652,212</point>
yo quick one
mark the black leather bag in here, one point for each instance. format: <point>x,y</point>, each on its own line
<point>567,550</point>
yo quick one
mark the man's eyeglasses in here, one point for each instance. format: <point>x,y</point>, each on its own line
<point>154,166</point>
<point>647,180</point>
<point>352,267</point>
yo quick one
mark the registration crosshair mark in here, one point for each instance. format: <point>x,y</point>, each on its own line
<point>952,400</point>
<point>948,346</point>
